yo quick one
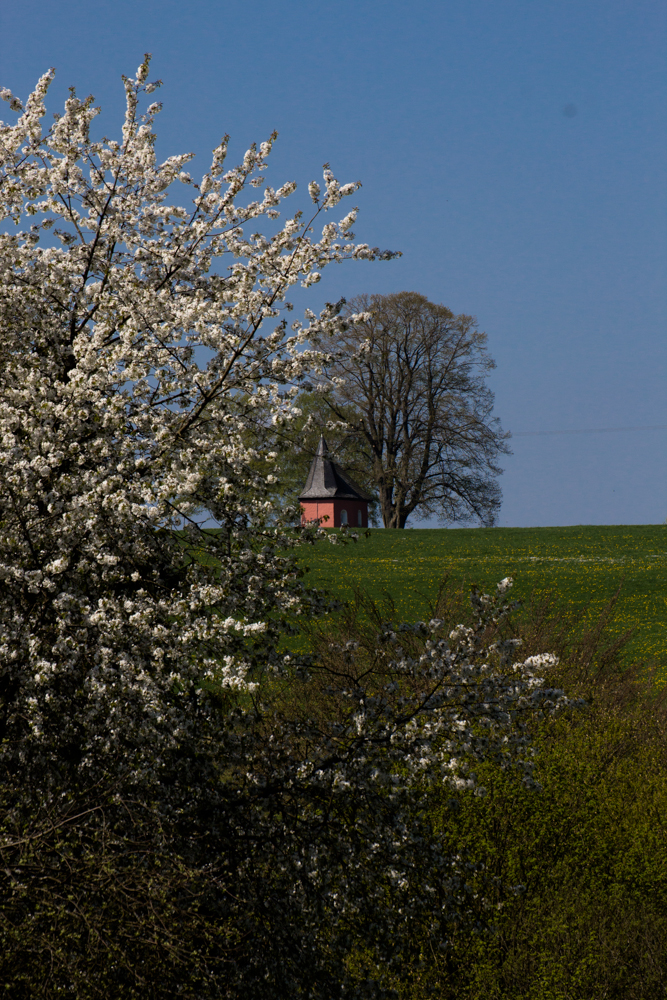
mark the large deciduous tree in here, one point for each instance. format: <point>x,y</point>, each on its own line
<point>179,816</point>
<point>410,382</point>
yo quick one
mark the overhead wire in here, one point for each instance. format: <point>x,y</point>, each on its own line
<point>590,430</point>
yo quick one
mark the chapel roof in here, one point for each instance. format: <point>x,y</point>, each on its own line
<point>326,479</point>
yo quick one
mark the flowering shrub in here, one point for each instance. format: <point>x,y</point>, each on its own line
<point>142,729</point>
<point>113,429</point>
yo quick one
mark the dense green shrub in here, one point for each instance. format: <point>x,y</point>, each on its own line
<point>588,858</point>
<point>570,882</point>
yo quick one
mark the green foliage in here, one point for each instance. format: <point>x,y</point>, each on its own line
<point>566,886</point>
<point>588,857</point>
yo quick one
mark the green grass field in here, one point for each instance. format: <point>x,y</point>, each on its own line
<point>583,564</point>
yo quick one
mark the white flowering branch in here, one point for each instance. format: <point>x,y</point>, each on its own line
<point>137,335</point>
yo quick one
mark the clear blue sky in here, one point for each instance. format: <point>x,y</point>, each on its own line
<point>514,150</point>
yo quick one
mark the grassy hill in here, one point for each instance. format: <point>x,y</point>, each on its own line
<point>584,564</point>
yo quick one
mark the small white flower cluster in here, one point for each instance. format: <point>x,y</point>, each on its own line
<point>423,709</point>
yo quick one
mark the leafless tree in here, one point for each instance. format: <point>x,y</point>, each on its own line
<point>416,400</point>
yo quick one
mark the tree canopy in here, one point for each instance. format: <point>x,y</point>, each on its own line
<point>410,382</point>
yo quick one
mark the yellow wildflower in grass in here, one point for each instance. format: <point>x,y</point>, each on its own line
<point>584,566</point>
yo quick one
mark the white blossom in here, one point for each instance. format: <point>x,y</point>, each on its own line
<point>136,335</point>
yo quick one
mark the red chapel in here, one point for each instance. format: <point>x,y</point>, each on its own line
<point>330,496</point>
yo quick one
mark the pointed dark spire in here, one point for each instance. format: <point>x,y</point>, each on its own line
<point>326,479</point>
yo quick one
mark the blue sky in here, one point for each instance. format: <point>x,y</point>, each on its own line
<point>513,150</point>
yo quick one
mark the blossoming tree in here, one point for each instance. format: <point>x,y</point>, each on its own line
<point>144,728</point>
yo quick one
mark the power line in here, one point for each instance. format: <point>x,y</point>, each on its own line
<point>590,430</point>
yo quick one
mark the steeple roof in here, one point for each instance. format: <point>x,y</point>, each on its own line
<point>326,479</point>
